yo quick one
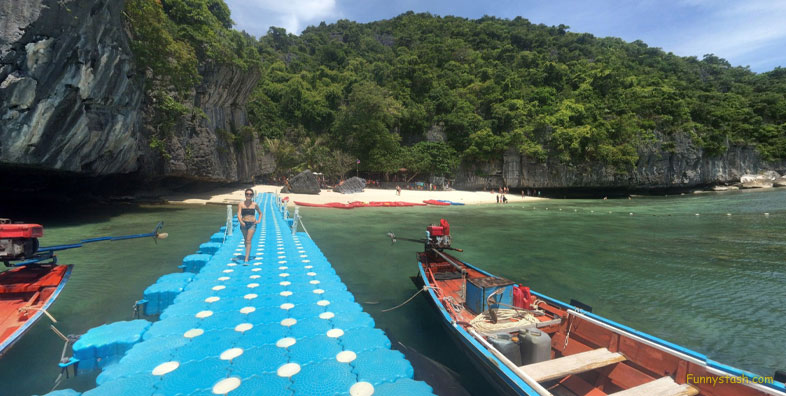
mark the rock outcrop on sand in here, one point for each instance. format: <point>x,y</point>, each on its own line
<point>351,186</point>
<point>763,180</point>
<point>303,183</point>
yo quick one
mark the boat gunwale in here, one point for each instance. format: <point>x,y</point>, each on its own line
<point>17,335</point>
<point>712,366</point>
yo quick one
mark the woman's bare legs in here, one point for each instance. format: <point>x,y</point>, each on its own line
<point>247,235</point>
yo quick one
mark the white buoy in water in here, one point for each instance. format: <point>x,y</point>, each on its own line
<point>697,214</point>
<point>766,214</point>
<point>728,214</point>
<point>631,213</point>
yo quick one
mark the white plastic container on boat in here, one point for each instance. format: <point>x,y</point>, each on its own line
<point>535,347</point>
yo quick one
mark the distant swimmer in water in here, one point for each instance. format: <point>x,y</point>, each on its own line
<point>247,216</point>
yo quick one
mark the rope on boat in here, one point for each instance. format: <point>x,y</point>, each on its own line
<point>408,300</point>
<point>24,310</point>
<point>482,323</point>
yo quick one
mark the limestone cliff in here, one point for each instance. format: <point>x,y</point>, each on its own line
<point>673,165</point>
<point>71,101</point>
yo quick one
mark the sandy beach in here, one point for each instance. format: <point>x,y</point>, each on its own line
<point>233,196</point>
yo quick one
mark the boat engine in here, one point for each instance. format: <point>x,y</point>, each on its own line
<point>18,241</point>
<point>438,236</point>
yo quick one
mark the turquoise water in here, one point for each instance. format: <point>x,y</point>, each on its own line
<point>107,279</point>
<point>713,283</point>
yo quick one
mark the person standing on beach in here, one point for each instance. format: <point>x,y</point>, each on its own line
<point>247,217</point>
<point>398,190</point>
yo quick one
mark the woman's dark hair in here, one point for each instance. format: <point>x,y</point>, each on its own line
<point>248,189</point>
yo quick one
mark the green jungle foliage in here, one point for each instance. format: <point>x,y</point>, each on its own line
<point>371,92</point>
<point>376,89</point>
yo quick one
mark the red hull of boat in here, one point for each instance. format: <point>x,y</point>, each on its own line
<point>24,293</point>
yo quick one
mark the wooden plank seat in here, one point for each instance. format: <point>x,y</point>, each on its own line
<point>660,387</point>
<point>572,364</point>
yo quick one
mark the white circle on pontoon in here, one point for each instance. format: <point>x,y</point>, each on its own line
<point>288,322</point>
<point>283,268</point>
<point>204,314</point>
<point>255,276</point>
<point>247,310</point>
<point>323,303</point>
<point>346,356</point>
<point>283,274</point>
<point>288,370</point>
<point>301,251</point>
<point>314,282</point>
<point>252,285</point>
<point>226,385</point>
<point>250,296</point>
<point>193,333</point>
<point>223,278</point>
<point>308,267</point>
<point>335,333</point>
<point>318,291</point>
<point>257,263</point>
<point>166,367</point>
<point>287,306</point>
<point>231,353</point>
<point>303,255</point>
<point>226,271</point>
<point>327,315</point>
<point>305,261</point>
<point>311,273</point>
<point>212,299</point>
<point>361,389</point>
<point>282,257</point>
<point>231,265</point>
<point>256,269</point>
<point>238,250</point>
<point>243,327</point>
<point>219,287</point>
<point>285,283</point>
<point>286,342</point>
<point>282,261</point>
<point>285,293</point>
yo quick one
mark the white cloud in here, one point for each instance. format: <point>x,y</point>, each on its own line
<point>256,16</point>
<point>732,29</point>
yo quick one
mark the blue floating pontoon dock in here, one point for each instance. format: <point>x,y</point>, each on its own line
<point>284,324</point>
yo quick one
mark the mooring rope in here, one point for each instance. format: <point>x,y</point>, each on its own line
<point>408,300</point>
<point>482,324</point>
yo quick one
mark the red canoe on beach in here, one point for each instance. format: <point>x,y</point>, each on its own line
<point>435,202</point>
<point>25,293</point>
<point>359,204</point>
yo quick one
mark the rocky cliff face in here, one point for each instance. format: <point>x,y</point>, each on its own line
<point>680,165</point>
<point>68,97</point>
<point>205,148</point>
<point>70,100</point>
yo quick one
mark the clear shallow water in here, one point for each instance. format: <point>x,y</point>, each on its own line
<point>713,283</point>
<point>107,279</point>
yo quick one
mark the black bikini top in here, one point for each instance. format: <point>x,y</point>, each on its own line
<point>248,212</point>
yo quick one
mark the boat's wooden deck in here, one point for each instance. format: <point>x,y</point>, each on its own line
<point>23,293</point>
<point>590,359</point>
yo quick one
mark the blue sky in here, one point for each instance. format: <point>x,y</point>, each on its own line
<point>745,32</point>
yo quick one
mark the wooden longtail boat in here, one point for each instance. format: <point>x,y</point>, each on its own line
<point>25,294</point>
<point>542,346</point>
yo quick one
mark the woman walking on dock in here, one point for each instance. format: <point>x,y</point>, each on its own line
<point>246,215</point>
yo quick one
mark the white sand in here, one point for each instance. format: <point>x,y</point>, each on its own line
<point>229,196</point>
